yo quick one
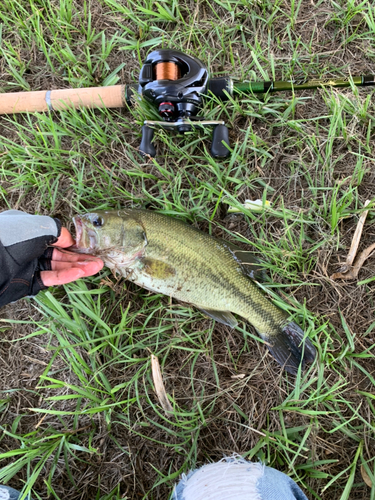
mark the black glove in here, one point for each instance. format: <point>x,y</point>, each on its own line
<point>24,252</point>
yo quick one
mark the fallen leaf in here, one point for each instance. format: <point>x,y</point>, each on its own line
<point>359,261</point>
<point>349,271</point>
<point>159,385</point>
<point>366,477</point>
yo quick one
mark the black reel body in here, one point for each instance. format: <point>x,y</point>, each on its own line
<point>183,95</point>
<point>175,83</point>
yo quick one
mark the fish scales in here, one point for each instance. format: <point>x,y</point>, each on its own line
<point>166,255</point>
<point>204,266</point>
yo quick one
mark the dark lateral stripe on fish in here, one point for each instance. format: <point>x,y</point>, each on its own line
<point>263,312</point>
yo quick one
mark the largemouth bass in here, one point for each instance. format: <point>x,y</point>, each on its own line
<point>165,255</point>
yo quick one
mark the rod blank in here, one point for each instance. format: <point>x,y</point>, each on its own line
<point>276,86</point>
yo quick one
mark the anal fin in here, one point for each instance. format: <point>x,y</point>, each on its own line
<point>224,317</point>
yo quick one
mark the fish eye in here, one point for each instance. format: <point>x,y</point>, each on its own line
<point>98,221</point>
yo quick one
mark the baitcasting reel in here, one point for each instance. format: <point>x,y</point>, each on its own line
<point>175,83</point>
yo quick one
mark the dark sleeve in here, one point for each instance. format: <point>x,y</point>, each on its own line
<point>24,252</point>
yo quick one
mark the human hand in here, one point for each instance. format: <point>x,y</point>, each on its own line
<point>68,266</point>
<point>32,256</point>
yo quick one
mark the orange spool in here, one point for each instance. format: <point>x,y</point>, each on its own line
<point>167,71</point>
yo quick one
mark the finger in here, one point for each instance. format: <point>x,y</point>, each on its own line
<point>90,266</point>
<point>51,278</point>
<point>65,239</point>
<point>67,275</point>
<point>57,266</point>
<point>65,256</point>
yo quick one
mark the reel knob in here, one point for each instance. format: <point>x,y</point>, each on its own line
<point>146,147</point>
<point>220,134</point>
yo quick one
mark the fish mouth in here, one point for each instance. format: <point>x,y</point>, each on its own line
<point>79,230</point>
<point>85,239</point>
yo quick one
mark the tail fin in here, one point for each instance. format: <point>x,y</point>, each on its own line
<point>290,350</point>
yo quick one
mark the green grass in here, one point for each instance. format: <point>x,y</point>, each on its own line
<point>90,402</point>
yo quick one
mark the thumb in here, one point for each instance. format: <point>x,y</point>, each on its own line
<point>65,239</point>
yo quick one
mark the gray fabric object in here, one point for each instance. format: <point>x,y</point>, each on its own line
<point>17,226</point>
<point>7,493</point>
<point>25,251</point>
<point>234,478</point>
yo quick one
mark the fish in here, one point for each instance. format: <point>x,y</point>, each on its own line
<point>165,255</point>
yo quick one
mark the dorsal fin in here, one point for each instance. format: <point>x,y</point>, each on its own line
<point>251,265</point>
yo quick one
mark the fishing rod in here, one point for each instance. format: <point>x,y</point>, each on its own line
<point>173,82</point>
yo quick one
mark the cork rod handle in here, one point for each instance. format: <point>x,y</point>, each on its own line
<point>42,100</point>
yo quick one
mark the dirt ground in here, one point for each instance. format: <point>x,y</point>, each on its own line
<point>133,457</point>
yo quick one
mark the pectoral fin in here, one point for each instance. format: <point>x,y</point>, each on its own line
<point>157,268</point>
<point>224,317</point>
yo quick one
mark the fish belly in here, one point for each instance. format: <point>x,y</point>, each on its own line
<point>195,291</point>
